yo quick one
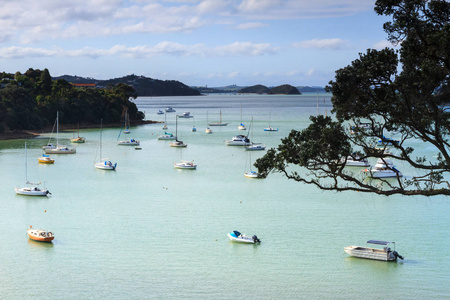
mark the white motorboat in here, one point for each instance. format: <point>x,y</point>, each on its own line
<point>385,254</point>
<point>252,174</point>
<point>160,112</point>
<point>184,164</point>
<point>236,236</point>
<point>208,130</point>
<point>255,147</point>
<point>355,161</point>
<point>270,129</point>
<point>59,149</point>
<point>170,109</point>
<point>386,141</point>
<point>194,129</point>
<point>48,146</point>
<point>130,142</point>
<point>185,115</point>
<point>104,163</point>
<point>167,136</point>
<point>384,169</point>
<point>31,189</point>
<point>238,140</point>
<point>40,235</point>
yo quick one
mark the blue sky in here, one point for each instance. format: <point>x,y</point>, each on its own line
<point>198,42</point>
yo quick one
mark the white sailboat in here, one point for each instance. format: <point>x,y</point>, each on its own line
<point>250,173</point>
<point>60,149</point>
<point>31,189</point>
<point>165,122</point>
<point>254,146</point>
<point>104,164</point>
<point>270,128</point>
<point>129,142</point>
<point>218,123</point>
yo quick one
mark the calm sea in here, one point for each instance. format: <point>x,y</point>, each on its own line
<point>151,231</point>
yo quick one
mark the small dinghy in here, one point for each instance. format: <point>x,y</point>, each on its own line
<point>236,236</point>
<point>40,235</point>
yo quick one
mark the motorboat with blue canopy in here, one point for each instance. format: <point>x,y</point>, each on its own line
<point>385,254</point>
<point>238,237</point>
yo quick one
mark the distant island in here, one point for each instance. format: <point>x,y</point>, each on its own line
<point>284,89</point>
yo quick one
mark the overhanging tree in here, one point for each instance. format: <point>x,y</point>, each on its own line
<point>402,92</point>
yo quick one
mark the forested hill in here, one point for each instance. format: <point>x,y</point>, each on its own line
<point>284,89</point>
<point>144,86</point>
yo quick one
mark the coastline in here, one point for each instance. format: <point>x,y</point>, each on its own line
<point>25,134</point>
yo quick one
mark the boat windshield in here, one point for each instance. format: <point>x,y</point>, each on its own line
<point>237,233</point>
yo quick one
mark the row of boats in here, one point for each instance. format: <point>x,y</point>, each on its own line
<point>384,167</point>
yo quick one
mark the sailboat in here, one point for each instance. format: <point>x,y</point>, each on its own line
<point>104,164</point>
<point>241,126</point>
<point>130,142</point>
<point>127,123</point>
<point>177,143</point>
<point>208,130</point>
<point>32,189</point>
<point>250,173</point>
<point>254,146</point>
<point>60,149</point>
<point>270,128</point>
<point>79,139</point>
<point>219,123</point>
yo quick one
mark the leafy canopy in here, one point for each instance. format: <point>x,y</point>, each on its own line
<point>401,93</point>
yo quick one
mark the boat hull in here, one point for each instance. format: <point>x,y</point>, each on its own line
<point>46,161</point>
<point>40,235</point>
<point>60,151</point>
<point>255,148</point>
<point>185,166</point>
<point>218,124</point>
<point>241,239</point>
<point>167,138</point>
<point>251,174</point>
<point>128,143</point>
<point>370,253</point>
<point>78,141</point>
<point>26,191</point>
<point>106,166</point>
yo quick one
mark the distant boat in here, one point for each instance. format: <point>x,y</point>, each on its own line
<point>45,159</point>
<point>238,140</point>
<point>383,169</point>
<point>218,123</point>
<point>355,161</point>
<point>177,143</point>
<point>31,189</point>
<point>40,235</point>
<point>104,163</point>
<point>59,149</point>
<point>170,109</point>
<point>385,254</point>
<point>166,136</point>
<point>208,130</point>
<point>160,112</point>
<point>184,164</point>
<point>254,146</point>
<point>79,139</point>
<point>269,128</point>
<point>185,115</point>
<point>250,173</point>
<point>236,236</point>
<point>129,142</point>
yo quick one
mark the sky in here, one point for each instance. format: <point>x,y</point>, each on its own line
<point>198,42</point>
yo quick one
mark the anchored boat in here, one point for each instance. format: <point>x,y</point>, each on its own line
<point>385,254</point>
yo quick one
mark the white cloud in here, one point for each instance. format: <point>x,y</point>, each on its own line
<point>333,44</point>
<point>144,51</point>
<point>383,44</point>
<point>252,25</point>
<point>31,21</point>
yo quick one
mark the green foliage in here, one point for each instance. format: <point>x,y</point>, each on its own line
<point>255,89</point>
<point>284,89</point>
<point>31,101</point>
<point>410,103</point>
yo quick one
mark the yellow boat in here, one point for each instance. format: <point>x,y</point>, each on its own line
<point>45,159</point>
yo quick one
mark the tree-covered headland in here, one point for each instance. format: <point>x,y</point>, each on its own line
<point>29,101</point>
<point>399,93</point>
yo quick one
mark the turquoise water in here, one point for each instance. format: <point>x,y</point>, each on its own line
<point>151,231</point>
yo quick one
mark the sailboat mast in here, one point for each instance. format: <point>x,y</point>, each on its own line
<point>26,161</point>
<point>101,129</point>
<point>57,128</point>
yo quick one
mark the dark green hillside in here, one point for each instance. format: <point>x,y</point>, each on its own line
<point>255,89</point>
<point>285,89</point>
<point>144,86</point>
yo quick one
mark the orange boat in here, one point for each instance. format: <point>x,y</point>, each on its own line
<point>45,159</point>
<point>40,235</point>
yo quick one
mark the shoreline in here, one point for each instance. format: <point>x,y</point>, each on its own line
<point>25,134</point>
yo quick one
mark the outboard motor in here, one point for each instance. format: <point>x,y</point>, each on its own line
<point>395,253</point>
<point>48,192</point>
<point>255,239</point>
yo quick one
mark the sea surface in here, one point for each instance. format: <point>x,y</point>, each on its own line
<point>149,231</point>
